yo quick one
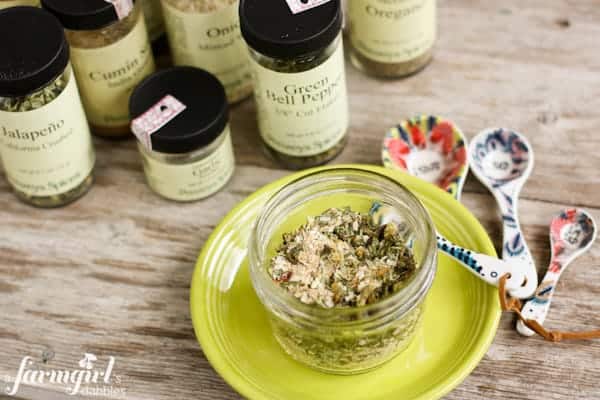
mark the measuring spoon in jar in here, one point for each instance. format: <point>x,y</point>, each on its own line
<point>431,148</point>
<point>572,233</point>
<point>502,160</point>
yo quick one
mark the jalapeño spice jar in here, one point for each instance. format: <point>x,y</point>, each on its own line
<point>111,54</point>
<point>300,84</point>
<point>391,38</point>
<point>45,142</point>
<point>180,116</point>
<point>206,34</point>
<point>15,3</point>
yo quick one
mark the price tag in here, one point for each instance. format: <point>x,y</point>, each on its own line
<point>122,7</point>
<point>298,6</point>
<point>155,118</point>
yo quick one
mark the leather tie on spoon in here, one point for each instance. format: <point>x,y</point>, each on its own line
<point>502,160</point>
<point>431,148</point>
<point>572,233</point>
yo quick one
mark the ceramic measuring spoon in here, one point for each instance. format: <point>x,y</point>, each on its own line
<point>572,233</point>
<point>430,148</point>
<point>489,269</point>
<point>503,160</point>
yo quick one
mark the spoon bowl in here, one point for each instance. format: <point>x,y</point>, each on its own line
<point>572,233</point>
<point>430,148</point>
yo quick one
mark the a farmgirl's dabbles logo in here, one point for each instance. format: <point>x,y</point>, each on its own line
<point>87,380</point>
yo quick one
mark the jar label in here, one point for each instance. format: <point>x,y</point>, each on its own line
<point>305,113</point>
<point>392,31</point>
<point>122,7</point>
<point>47,151</point>
<point>155,118</point>
<point>211,41</point>
<point>15,3</point>
<point>107,76</point>
<point>154,18</point>
<point>298,6</point>
<point>193,181</point>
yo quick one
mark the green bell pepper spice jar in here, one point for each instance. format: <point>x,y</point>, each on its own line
<point>300,81</point>
<point>45,141</point>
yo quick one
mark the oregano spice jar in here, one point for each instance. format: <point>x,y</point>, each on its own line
<point>391,38</point>
<point>111,54</point>
<point>16,3</point>
<point>206,34</point>
<point>190,157</point>
<point>45,141</point>
<point>300,82</point>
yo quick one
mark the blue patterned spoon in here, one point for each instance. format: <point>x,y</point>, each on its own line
<point>502,160</point>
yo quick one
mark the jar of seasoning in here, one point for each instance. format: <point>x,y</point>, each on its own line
<point>189,156</point>
<point>349,339</point>
<point>300,82</point>
<point>206,34</point>
<point>153,15</point>
<point>391,38</point>
<point>111,54</point>
<point>45,141</point>
<point>15,3</point>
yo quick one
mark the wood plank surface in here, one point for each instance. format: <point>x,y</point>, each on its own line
<point>110,273</point>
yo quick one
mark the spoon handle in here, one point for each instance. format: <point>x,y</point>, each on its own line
<point>537,307</point>
<point>487,268</point>
<point>514,249</point>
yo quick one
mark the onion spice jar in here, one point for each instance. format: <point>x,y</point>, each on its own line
<point>300,83</point>
<point>111,54</point>
<point>45,141</point>
<point>180,116</point>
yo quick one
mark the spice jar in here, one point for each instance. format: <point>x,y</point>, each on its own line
<point>15,3</point>
<point>300,83</point>
<point>206,34</point>
<point>45,141</point>
<point>153,16</point>
<point>351,339</point>
<point>111,54</point>
<point>391,38</point>
<point>187,156</point>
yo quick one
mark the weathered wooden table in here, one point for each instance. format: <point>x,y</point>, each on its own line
<point>110,274</point>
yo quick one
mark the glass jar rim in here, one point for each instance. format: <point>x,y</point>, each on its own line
<point>395,305</point>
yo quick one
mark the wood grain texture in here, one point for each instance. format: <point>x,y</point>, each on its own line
<point>110,274</point>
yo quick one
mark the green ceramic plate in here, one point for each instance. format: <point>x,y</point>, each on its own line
<point>460,321</point>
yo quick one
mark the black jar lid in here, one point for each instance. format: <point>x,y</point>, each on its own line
<point>80,15</point>
<point>33,57</point>
<point>203,120</point>
<point>270,27</point>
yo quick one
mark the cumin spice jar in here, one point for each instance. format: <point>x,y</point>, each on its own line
<point>187,156</point>
<point>15,3</point>
<point>361,334</point>
<point>300,83</point>
<point>45,141</point>
<point>206,34</point>
<point>111,54</point>
<point>391,38</point>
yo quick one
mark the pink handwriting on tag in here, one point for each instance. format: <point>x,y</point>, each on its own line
<point>155,118</point>
<point>298,6</point>
<point>122,7</point>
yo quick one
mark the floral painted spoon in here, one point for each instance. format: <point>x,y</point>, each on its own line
<point>430,148</point>
<point>572,233</point>
<point>503,160</point>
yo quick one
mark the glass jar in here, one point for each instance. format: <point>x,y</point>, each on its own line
<point>15,3</point>
<point>300,81</point>
<point>45,141</point>
<point>153,16</point>
<point>190,157</point>
<point>111,54</point>
<point>206,34</point>
<point>342,340</point>
<point>391,38</point>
